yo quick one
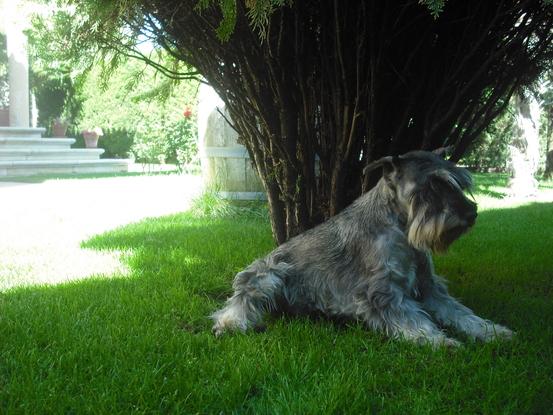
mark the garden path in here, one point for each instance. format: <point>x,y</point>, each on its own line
<point>43,224</point>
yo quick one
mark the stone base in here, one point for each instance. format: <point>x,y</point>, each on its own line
<point>35,167</point>
<point>23,152</point>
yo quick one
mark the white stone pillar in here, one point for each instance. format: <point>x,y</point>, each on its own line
<point>18,65</point>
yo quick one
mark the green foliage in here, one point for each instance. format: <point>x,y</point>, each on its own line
<point>434,6</point>
<point>228,22</point>
<point>50,96</point>
<point>149,107</point>
<point>117,143</point>
<point>490,152</point>
<point>259,12</point>
<point>53,96</point>
<point>167,142</point>
<point>54,81</point>
<point>181,148</point>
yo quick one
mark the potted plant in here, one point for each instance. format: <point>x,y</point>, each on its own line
<point>91,137</point>
<point>59,127</point>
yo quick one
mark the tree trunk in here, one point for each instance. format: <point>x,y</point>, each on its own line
<point>524,149</point>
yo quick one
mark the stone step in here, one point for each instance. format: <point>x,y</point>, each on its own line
<point>30,143</point>
<point>21,132</point>
<point>34,167</point>
<point>7,154</point>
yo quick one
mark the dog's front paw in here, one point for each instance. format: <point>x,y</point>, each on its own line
<point>228,320</point>
<point>218,330</point>
<point>451,343</point>
<point>494,331</point>
<point>440,341</point>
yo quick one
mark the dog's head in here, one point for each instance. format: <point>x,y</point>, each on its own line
<point>430,191</point>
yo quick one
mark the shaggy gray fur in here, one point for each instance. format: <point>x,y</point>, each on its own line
<point>372,261</point>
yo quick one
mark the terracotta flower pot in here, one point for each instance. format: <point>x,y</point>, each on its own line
<point>59,128</point>
<point>91,139</point>
<point>4,117</point>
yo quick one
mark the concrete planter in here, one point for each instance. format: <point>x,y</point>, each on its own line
<point>226,165</point>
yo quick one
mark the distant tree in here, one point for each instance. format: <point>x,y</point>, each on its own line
<point>547,125</point>
<point>491,150</point>
<point>3,72</point>
<point>524,151</point>
<point>319,88</point>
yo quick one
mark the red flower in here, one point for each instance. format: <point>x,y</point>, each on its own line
<point>187,112</point>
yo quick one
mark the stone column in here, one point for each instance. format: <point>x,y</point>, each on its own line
<point>18,65</point>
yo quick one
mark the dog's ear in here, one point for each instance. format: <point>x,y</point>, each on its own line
<point>388,163</point>
<point>391,165</point>
<point>443,151</point>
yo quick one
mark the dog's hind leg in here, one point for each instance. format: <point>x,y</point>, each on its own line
<point>255,292</point>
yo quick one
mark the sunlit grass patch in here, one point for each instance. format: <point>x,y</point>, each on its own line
<point>37,265</point>
<point>211,204</point>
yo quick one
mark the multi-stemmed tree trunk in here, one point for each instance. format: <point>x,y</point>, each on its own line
<point>329,85</point>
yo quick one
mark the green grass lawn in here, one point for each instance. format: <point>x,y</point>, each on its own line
<point>141,343</point>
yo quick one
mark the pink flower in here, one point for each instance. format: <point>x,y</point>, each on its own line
<point>187,112</point>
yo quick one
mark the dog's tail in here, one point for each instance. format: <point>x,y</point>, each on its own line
<point>256,290</point>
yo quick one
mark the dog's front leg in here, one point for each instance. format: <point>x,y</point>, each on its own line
<point>450,312</point>
<point>399,315</point>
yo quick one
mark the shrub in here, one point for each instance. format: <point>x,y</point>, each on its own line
<point>117,143</point>
<point>181,148</point>
<point>164,141</point>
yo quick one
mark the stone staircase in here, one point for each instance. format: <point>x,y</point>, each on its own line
<point>23,152</point>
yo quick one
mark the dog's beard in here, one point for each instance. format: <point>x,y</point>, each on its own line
<point>435,232</point>
<point>449,236</point>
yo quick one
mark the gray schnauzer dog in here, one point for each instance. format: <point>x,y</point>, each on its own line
<point>372,261</point>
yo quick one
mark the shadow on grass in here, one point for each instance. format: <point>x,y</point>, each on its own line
<point>484,184</point>
<point>202,253</point>
<point>144,342</point>
<point>495,184</point>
